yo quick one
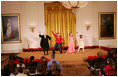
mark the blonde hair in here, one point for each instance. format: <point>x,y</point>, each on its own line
<point>70,33</point>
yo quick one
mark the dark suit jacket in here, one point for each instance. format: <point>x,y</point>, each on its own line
<point>44,41</point>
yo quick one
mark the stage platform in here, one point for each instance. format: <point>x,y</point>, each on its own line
<point>71,64</point>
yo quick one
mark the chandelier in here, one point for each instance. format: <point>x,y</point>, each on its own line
<point>74,5</point>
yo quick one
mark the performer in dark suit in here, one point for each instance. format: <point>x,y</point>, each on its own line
<point>44,42</point>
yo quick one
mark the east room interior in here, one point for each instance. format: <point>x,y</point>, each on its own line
<point>80,36</point>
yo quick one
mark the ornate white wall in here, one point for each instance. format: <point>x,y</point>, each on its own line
<point>90,14</point>
<point>32,13</point>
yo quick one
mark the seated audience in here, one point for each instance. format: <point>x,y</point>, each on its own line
<point>34,66</point>
<point>50,62</point>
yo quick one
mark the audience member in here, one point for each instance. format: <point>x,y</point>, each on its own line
<point>20,72</point>
<point>27,72</point>
<point>54,69</point>
<point>20,65</point>
<point>12,73</point>
<point>110,55</point>
<point>108,67</point>
<point>50,62</point>
<point>40,70</point>
<point>6,70</point>
<point>97,60</point>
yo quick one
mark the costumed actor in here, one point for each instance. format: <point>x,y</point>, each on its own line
<point>44,41</point>
<point>81,43</point>
<point>58,40</point>
<point>71,47</point>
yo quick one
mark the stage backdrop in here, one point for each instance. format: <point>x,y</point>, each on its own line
<point>59,19</point>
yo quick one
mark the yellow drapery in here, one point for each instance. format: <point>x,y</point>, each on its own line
<point>59,19</point>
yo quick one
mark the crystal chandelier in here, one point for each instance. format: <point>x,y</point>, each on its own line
<point>74,5</point>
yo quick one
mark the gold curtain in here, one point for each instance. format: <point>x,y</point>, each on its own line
<point>59,19</point>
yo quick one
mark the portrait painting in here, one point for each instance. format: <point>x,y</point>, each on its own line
<point>107,25</point>
<point>10,28</point>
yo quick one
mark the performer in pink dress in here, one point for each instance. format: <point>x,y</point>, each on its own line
<point>71,48</point>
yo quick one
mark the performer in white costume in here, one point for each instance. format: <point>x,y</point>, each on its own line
<point>80,43</point>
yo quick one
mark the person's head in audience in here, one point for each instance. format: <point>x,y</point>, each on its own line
<point>53,56</point>
<point>42,58</point>
<point>32,63</point>
<point>54,68</point>
<point>40,68</point>
<point>12,57</point>
<point>20,70</point>
<point>19,64</point>
<point>32,58</point>
<point>99,54</point>
<point>110,53</point>
<point>110,61</point>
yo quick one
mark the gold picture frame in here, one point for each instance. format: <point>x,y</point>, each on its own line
<point>107,25</point>
<point>10,28</point>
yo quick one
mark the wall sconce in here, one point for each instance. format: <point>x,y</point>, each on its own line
<point>32,27</point>
<point>88,26</point>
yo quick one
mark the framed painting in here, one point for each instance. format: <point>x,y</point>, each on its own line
<point>107,25</point>
<point>10,28</point>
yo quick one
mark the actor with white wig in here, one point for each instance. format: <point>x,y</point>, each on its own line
<point>44,41</point>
